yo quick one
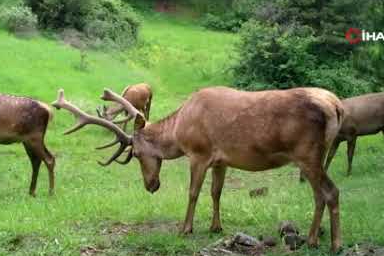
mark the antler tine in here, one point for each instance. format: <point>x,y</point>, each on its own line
<point>108,145</point>
<point>84,119</point>
<point>127,159</point>
<point>109,95</point>
<point>99,112</point>
<point>115,156</point>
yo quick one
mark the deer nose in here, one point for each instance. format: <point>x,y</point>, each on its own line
<point>153,186</point>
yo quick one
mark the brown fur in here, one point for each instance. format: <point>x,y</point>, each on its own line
<point>364,115</point>
<point>25,120</point>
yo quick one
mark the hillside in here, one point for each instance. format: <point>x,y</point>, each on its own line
<point>106,211</point>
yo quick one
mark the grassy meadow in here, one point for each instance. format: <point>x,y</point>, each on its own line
<point>106,211</point>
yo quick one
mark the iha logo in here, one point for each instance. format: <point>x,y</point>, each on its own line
<point>356,35</point>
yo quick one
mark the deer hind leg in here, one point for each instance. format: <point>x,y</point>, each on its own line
<point>331,153</point>
<point>331,195</point>
<point>38,148</point>
<point>36,163</point>
<point>311,173</point>
<point>351,152</point>
<point>218,176</point>
<point>198,171</point>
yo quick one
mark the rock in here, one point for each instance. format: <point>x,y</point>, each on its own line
<point>243,239</point>
<point>363,249</point>
<point>238,244</point>
<point>269,241</point>
<point>287,227</point>
<point>258,192</point>
<point>294,241</point>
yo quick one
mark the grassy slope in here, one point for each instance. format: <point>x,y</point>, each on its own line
<point>176,58</point>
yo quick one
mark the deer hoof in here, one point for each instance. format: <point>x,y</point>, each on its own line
<point>186,231</point>
<point>214,229</point>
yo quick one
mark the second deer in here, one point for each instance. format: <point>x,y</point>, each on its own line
<point>139,95</point>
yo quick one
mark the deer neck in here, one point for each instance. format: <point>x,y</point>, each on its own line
<point>161,138</point>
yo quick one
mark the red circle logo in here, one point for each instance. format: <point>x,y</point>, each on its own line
<point>353,35</point>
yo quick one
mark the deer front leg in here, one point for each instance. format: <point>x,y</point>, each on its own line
<point>198,171</point>
<point>351,152</point>
<point>218,176</point>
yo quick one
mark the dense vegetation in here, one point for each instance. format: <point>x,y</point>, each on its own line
<point>106,211</point>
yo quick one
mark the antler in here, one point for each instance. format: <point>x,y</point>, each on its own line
<point>84,119</point>
<point>111,96</point>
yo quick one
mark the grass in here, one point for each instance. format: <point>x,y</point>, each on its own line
<point>107,210</point>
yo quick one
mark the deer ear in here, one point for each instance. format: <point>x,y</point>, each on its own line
<point>139,122</point>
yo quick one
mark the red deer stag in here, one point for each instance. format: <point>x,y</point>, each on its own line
<point>219,127</point>
<point>139,95</point>
<point>25,120</point>
<point>364,115</point>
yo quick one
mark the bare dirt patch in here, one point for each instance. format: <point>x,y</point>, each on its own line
<point>90,250</point>
<point>121,228</point>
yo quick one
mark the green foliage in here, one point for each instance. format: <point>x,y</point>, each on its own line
<point>227,22</point>
<point>101,20</point>
<point>229,19</point>
<point>342,79</point>
<point>19,19</point>
<point>277,57</point>
<point>295,43</point>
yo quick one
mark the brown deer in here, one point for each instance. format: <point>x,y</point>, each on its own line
<point>220,127</point>
<point>139,95</point>
<point>364,115</point>
<point>25,120</point>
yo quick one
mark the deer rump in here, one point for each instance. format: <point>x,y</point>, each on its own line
<point>256,130</point>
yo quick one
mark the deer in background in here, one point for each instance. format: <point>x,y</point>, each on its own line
<point>364,115</point>
<point>139,95</point>
<point>220,127</point>
<point>25,120</point>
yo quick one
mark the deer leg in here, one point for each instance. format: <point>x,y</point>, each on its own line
<point>198,171</point>
<point>312,175</point>
<point>331,153</point>
<point>148,108</point>
<point>36,162</point>
<point>331,196</point>
<point>38,148</point>
<point>218,176</point>
<point>351,152</point>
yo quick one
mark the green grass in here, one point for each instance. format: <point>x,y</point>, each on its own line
<point>176,58</point>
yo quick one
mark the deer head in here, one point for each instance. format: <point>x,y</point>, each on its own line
<point>134,145</point>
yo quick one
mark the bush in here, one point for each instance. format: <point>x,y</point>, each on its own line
<point>19,20</point>
<point>229,19</point>
<point>342,80</point>
<point>274,56</point>
<point>100,20</point>
<point>227,22</point>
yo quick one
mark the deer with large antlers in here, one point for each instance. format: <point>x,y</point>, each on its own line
<point>25,120</point>
<point>139,95</point>
<point>220,127</point>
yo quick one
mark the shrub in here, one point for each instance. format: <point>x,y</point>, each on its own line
<point>274,56</point>
<point>342,80</point>
<point>227,22</point>
<point>229,19</point>
<point>100,20</point>
<point>19,19</point>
